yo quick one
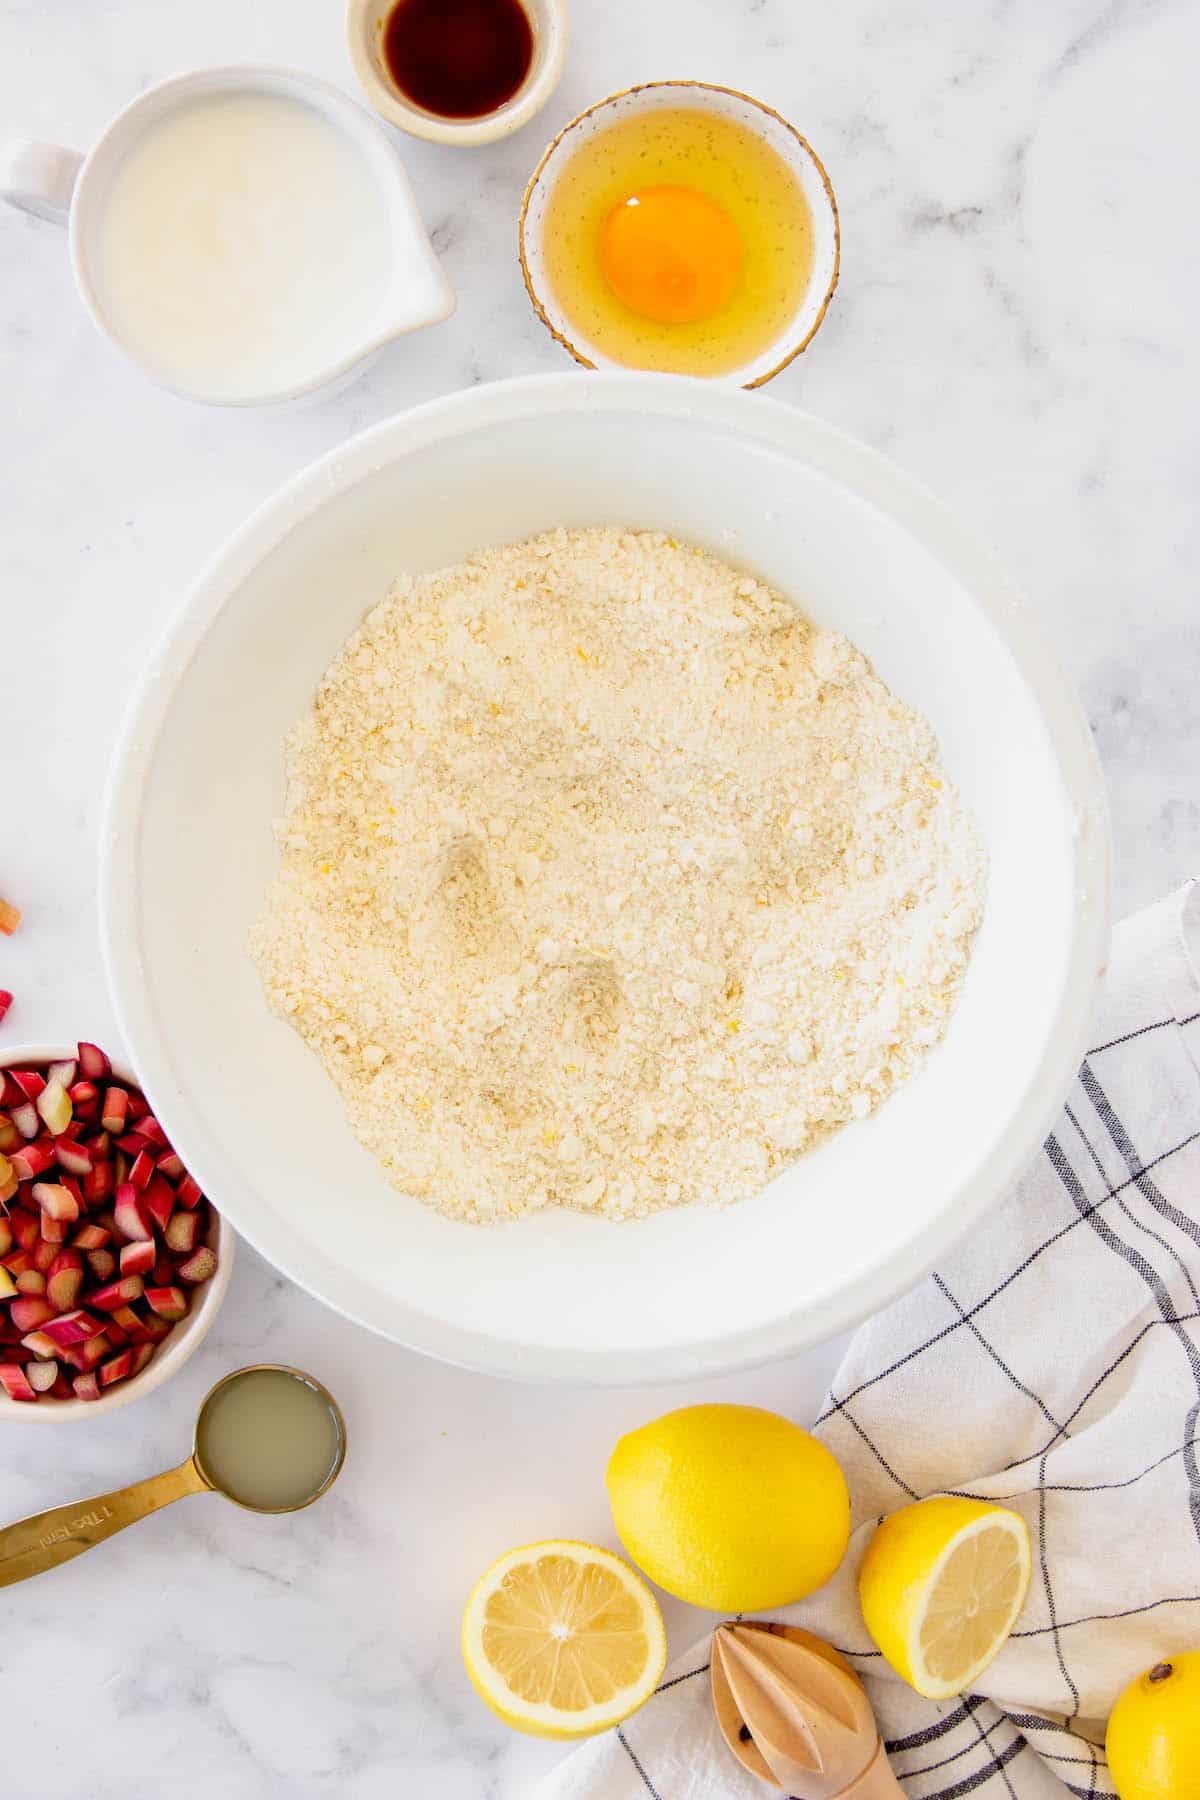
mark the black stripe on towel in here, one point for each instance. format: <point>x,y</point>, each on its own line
<point>999,1360</point>
<point>966,1750</point>
<point>996,1763</point>
<point>649,1785</point>
<point>1157,1287</point>
<point>916,1738</point>
<point>957,1324</point>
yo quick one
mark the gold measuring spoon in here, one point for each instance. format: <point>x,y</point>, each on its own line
<point>269,1438</point>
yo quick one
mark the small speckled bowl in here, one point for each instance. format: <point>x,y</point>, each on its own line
<point>783,138</point>
<point>188,1334</point>
<point>365,21</point>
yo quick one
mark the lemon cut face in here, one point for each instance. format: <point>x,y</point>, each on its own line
<point>563,1639</point>
<point>972,1604</point>
<point>942,1585</point>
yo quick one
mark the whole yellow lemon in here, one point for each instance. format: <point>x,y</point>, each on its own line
<point>729,1507</point>
<point>1153,1741</point>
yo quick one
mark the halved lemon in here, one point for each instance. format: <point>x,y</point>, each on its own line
<point>562,1639</point>
<point>941,1586</point>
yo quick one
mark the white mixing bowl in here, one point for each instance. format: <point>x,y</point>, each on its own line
<point>188,854</point>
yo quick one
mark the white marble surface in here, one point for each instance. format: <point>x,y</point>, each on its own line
<point>1016,324</point>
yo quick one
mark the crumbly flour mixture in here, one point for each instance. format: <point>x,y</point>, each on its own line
<point>610,882</point>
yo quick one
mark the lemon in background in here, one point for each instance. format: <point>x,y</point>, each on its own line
<point>1153,1742</point>
<point>729,1507</point>
<point>941,1586</point>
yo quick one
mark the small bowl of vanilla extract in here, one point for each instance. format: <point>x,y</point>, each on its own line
<point>457,71</point>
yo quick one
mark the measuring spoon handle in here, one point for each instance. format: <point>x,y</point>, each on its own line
<point>49,1538</point>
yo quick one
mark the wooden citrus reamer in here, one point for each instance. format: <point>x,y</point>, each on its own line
<point>794,1713</point>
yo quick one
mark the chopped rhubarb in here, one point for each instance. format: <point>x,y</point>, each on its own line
<point>115,1110</point>
<point>99,1184</point>
<point>200,1266</point>
<point>69,1328</point>
<point>30,1312</point>
<point>168,1302</point>
<point>117,1293</point>
<point>72,1142</point>
<point>182,1233</point>
<point>25,1118</point>
<point>188,1193</point>
<point>33,1159</point>
<point>116,1368</point>
<point>141,1169</point>
<point>85,1099</point>
<point>130,1214</point>
<point>95,1350</point>
<point>16,1384</point>
<point>65,1280</point>
<point>93,1064</point>
<point>90,1237</point>
<point>54,1107</point>
<point>139,1258</point>
<point>129,1321</point>
<point>25,1227</point>
<point>56,1200</point>
<point>158,1202</point>
<point>132,1143</point>
<point>103,1264</point>
<point>6,1001</point>
<point>75,1158</point>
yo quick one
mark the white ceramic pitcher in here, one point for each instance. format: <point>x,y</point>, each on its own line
<point>62,185</point>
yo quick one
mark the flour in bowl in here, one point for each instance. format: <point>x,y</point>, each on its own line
<point>610,882</point>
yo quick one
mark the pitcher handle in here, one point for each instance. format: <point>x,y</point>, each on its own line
<point>39,178</point>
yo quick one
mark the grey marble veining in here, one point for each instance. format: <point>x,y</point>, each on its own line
<point>1015,325</point>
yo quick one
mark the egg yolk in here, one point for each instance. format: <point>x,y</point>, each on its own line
<point>671,254</point>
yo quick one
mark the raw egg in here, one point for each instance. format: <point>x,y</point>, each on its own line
<point>671,254</point>
<point>679,239</point>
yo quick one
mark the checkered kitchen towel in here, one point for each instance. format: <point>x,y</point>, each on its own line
<point>1052,1363</point>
